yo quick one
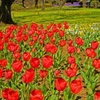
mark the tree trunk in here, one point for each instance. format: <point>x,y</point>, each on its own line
<point>23,3</point>
<point>5,11</point>
<point>36,3</point>
<point>42,4</point>
<point>84,5</point>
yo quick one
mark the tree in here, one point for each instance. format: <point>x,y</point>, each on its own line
<point>36,3</point>
<point>60,3</point>
<point>5,11</point>
<point>23,3</point>
<point>42,4</point>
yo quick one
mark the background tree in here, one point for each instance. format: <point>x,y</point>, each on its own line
<point>5,11</point>
<point>36,3</point>
<point>61,3</point>
<point>42,4</point>
<point>23,3</point>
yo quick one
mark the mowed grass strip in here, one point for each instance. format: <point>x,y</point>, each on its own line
<point>54,14</point>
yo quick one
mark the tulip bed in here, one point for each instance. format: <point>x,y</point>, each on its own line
<point>49,63</point>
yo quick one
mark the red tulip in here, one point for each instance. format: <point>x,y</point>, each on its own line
<point>43,73</point>
<point>47,61</point>
<point>41,26</point>
<point>94,45</point>
<point>79,41</point>
<point>52,39</point>
<point>66,25</point>
<point>49,47</point>
<point>97,96</point>
<point>30,32</point>
<point>31,43</point>
<point>12,47</point>
<point>41,42</point>
<point>26,56</point>
<point>42,36</point>
<point>49,26</point>
<point>35,38</point>
<point>38,32</point>
<point>59,25</point>
<point>1,34</point>
<point>19,36</point>
<point>50,33</point>
<point>16,55</point>
<point>71,59</point>
<point>90,52</point>
<point>3,62</point>
<point>60,84</point>
<point>62,43</point>
<point>36,95</point>
<point>1,73</point>
<point>9,94</point>
<point>17,65</point>
<point>96,63</point>
<point>34,26</point>
<point>76,86</point>
<point>11,35</point>
<point>54,28</point>
<point>71,49</point>
<point>1,45</point>
<point>77,50</point>
<point>70,42</point>
<point>35,62</point>
<point>56,73</point>
<point>28,76</point>
<point>25,26</point>
<point>61,33</point>
<point>71,71</point>
<point>8,74</point>
<point>25,37</point>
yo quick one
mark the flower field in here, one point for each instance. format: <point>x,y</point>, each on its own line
<point>52,62</point>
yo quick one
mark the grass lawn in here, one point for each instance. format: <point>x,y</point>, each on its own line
<point>53,14</point>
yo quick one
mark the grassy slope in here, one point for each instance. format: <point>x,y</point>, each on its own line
<point>72,15</point>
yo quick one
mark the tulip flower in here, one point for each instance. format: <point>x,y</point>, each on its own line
<point>26,56</point>
<point>76,86</point>
<point>34,62</point>
<point>60,84</point>
<point>43,73</point>
<point>9,94</point>
<point>8,74</point>
<point>97,96</point>
<point>3,62</point>
<point>17,65</point>
<point>47,61</point>
<point>71,71</point>
<point>36,95</point>
<point>28,76</point>
<point>94,44</point>
<point>79,41</point>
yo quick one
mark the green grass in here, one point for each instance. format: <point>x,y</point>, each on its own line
<point>54,14</point>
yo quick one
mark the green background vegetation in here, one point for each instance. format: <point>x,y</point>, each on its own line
<point>72,15</point>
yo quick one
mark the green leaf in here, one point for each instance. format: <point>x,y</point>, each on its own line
<point>44,89</point>
<point>53,97</point>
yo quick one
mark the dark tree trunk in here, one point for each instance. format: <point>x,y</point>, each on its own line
<point>23,3</point>
<point>36,3</point>
<point>42,4</point>
<point>5,11</point>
